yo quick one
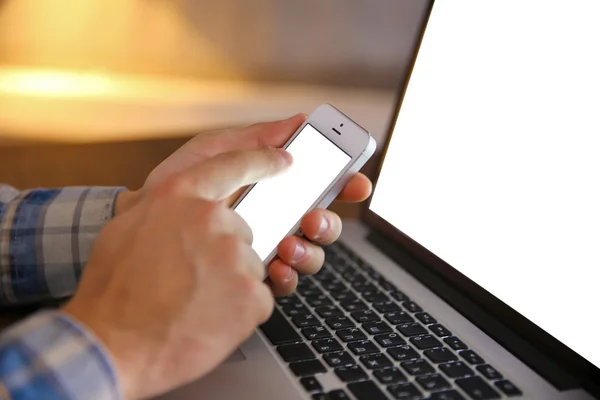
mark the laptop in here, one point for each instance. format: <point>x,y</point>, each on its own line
<point>472,273</point>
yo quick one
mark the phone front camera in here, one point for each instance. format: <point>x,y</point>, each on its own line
<point>341,125</point>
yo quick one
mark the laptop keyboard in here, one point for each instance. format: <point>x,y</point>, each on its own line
<point>348,322</point>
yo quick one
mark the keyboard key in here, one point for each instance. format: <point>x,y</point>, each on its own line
<point>324,275</point>
<point>352,275</point>
<point>329,311</point>
<point>320,396</point>
<point>412,329</point>
<point>456,369</point>
<point>312,292</point>
<point>425,318</point>
<point>398,295</point>
<point>292,298</point>
<point>425,342</point>
<point>440,330</point>
<point>405,391</point>
<point>311,384</point>
<point>440,355</point>
<point>338,394</point>
<point>327,345</point>
<point>339,323</point>
<point>455,343</point>
<point>368,288</point>
<point>375,297</point>
<point>305,320</point>
<point>372,273</point>
<point>359,284</point>
<point>375,328</point>
<point>318,301</point>
<point>398,317</point>
<point>341,295</point>
<point>417,367</point>
<point>306,368</point>
<point>447,395</point>
<point>330,278</point>
<point>433,382</point>
<point>508,388</point>
<point>403,353</point>
<point>278,330</point>
<point>471,357</point>
<point>295,352</point>
<point>363,347</point>
<point>351,334</point>
<point>386,306</point>
<point>385,285</point>
<point>353,305</point>
<point>333,286</point>
<point>366,267</point>
<point>389,339</point>
<point>350,373</point>
<point>477,388</point>
<point>489,372</point>
<point>376,361</point>
<point>308,290</point>
<point>305,283</point>
<point>316,332</point>
<point>339,358</point>
<point>295,309</point>
<point>388,376</point>
<point>412,306</point>
<point>366,390</point>
<point>365,316</point>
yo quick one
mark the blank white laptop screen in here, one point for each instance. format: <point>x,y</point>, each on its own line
<point>494,165</point>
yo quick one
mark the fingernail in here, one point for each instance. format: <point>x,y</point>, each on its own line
<point>299,252</point>
<point>290,274</point>
<point>285,156</point>
<point>323,228</point>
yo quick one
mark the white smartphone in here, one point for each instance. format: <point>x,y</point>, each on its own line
<point>327,150</point>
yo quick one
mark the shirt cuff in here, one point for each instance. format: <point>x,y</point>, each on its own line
<point>51,356</point>
<point>52,233</point>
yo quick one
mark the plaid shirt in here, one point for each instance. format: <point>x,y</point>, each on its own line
<point>45,239</point>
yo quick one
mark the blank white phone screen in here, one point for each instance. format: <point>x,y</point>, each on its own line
<point>274,205</point>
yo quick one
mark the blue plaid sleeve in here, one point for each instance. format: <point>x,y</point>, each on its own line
<point>45,238</point>
<point>49,356</point>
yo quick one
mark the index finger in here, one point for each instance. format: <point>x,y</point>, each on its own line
<point>223,174</point>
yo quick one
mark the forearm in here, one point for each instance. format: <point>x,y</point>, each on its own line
<point>50,356</point>
<point>45,238</point>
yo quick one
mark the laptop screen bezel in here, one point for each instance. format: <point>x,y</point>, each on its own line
<point>563,355</point>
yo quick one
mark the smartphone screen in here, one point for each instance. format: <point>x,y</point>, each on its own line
<point>273,206</point>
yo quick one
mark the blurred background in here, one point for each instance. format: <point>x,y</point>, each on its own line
<point>99,92</point>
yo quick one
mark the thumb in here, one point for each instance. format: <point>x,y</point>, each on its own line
<point>222,175</point>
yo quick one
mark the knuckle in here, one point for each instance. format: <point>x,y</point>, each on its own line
<point>233,249</point>
<point>209,214</point>
<point>248,286</point>
<point>258,294</point>
<point>172,186</point>
<point>266,305</point>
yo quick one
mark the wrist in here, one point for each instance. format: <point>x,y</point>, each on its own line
<point>122,350</point>
<point>125,201</point>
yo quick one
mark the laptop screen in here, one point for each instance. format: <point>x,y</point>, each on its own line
<point>494,162</point>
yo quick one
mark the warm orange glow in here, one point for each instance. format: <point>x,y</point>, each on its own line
<point>84,107</point>
<point>54,83</point>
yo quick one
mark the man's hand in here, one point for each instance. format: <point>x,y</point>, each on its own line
<point>322,226</point>
<point>166,275</point>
